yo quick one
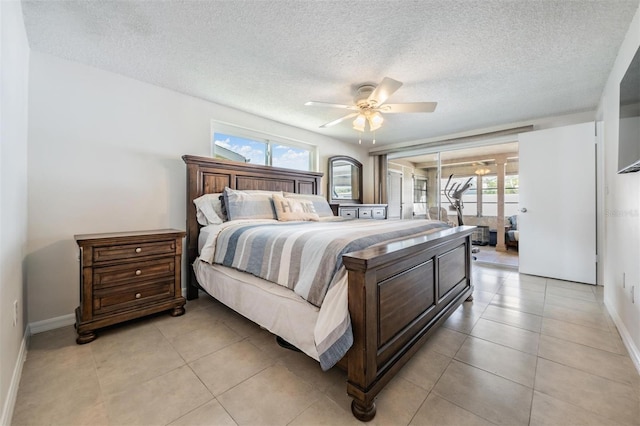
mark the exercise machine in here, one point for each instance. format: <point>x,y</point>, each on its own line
<point>454,193</point>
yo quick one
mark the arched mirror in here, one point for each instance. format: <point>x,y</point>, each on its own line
<point>345,180</point>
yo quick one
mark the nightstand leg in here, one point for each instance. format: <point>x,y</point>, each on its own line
<point>86,337</point>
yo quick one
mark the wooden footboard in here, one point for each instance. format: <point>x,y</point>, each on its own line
<point>398,294</point>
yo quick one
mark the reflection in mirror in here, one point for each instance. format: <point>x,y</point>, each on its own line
<point>345,180</point>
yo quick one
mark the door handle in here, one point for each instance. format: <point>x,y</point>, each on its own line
<point>523,210</point>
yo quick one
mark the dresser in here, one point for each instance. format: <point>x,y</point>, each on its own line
<point>360,211</point>
<point>127,275</point>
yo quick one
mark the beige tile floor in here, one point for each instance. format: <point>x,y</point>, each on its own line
<point>488,255</point>
<point>527,350</point>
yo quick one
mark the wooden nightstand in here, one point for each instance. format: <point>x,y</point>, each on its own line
<point>126,275</point>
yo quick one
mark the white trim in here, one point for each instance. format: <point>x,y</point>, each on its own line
<point>634,352</point>
<point>52,323</point>
<point>452,146</point>
<point>250,133</point>
<point>12,394</point>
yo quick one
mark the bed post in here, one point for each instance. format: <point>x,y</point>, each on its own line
<point>361,368</point>
<point>193,183</point>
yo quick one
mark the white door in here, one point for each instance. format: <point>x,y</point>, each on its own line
<point>557,219</point>
<point>394,209</point>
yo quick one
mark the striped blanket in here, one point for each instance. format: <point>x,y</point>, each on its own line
<point>307,258</point>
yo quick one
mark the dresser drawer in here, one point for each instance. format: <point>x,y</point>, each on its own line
<point>364,213</point>
<point>379,213</point>
<point>133,251</point>
<point>129,296</point>
<point>349,213</point>
<point>108,276</point>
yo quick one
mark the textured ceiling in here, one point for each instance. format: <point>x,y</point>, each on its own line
<point>486,62</point>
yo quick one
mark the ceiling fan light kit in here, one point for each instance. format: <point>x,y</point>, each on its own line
<point>359,122</point>
<point>369,104</point>
<point>374,119</point>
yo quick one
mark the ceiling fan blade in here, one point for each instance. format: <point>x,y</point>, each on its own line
<point>386,88</point>
<point>327,104</point>
<point>339,120</point>
<point>408,107</point>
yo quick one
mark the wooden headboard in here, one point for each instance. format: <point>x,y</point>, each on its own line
<point>208,175</point>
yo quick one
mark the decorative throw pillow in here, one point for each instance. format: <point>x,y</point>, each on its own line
<point>249,204</point>
<point>320,204</point>
<point>223,208</point>
<point>290,209</point>
<point>209,209</point>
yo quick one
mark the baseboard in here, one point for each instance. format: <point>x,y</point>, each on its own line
<point>12,394</point>
<point>52,323</point>
<point>634,352</point>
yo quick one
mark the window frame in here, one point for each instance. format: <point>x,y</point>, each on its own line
<point>270,141</point>
<point>421,192</point>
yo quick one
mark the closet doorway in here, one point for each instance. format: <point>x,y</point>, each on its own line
<point>491,202</point>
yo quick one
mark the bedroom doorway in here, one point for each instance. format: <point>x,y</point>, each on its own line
<point>491,203</point>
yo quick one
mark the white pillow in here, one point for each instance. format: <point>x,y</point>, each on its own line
<point>292,209</point>
<point>320,204</point>
<point>209,209</point>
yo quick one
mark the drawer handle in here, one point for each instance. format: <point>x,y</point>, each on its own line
<point>138,272</point>
<point>138,249</point>
<point>138,295</point>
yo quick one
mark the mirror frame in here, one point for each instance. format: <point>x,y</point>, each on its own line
<point>354,163</point>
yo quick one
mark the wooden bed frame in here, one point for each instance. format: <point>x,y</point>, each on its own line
<point>399,293</point>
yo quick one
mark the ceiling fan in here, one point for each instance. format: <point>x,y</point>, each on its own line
<point>369,105</point>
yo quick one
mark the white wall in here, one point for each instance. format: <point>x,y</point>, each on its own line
<point>621,209</point>
<point>105,155</point>
<point>14,66</point>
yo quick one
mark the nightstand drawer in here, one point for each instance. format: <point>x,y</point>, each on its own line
<point>118,298</point>
<point>108,276</point>
<point>133,251</point>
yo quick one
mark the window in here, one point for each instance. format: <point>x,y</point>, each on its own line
<point>240,149</point>
<point>257,148</point>
<point>511,194</point>
<point>489,195</point>
<point>290,157</point>
<point>419,196</point>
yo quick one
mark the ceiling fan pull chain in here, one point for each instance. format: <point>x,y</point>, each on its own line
<point>360,138</point>
<point>374,137</point>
